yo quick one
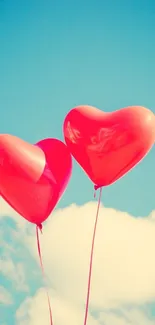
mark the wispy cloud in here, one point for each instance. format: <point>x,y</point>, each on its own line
<point>15,273</point>
<point>5,297</point>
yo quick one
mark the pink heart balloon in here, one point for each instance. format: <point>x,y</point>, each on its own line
<point>108,145</point>
<point>33,177</point>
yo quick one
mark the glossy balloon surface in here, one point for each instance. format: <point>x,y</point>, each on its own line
<point>108,145</point>
<point>33,177</point>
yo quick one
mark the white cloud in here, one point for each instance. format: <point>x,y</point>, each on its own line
<point>35,311</point>
<point>5,297</point>
<point>132,316</point>
<point>123,268</point>
<point>124,264</point>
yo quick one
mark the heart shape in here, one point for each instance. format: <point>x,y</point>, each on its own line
<point>108,145</point>
<point>33,177</point>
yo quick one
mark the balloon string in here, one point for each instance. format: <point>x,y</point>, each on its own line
<point>43,273</point>
<point>91,259</point>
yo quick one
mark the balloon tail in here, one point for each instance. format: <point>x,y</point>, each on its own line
<point>91,257</point>
<point>39,227</point>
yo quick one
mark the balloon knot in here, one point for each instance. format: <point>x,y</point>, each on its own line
<point>96,187</point>
<point>40,227</point>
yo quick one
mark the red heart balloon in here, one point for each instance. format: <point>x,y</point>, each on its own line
<point>33,177</point>
<point>108,145</point>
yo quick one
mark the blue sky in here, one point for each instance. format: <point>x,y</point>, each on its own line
<point>55,55</point>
